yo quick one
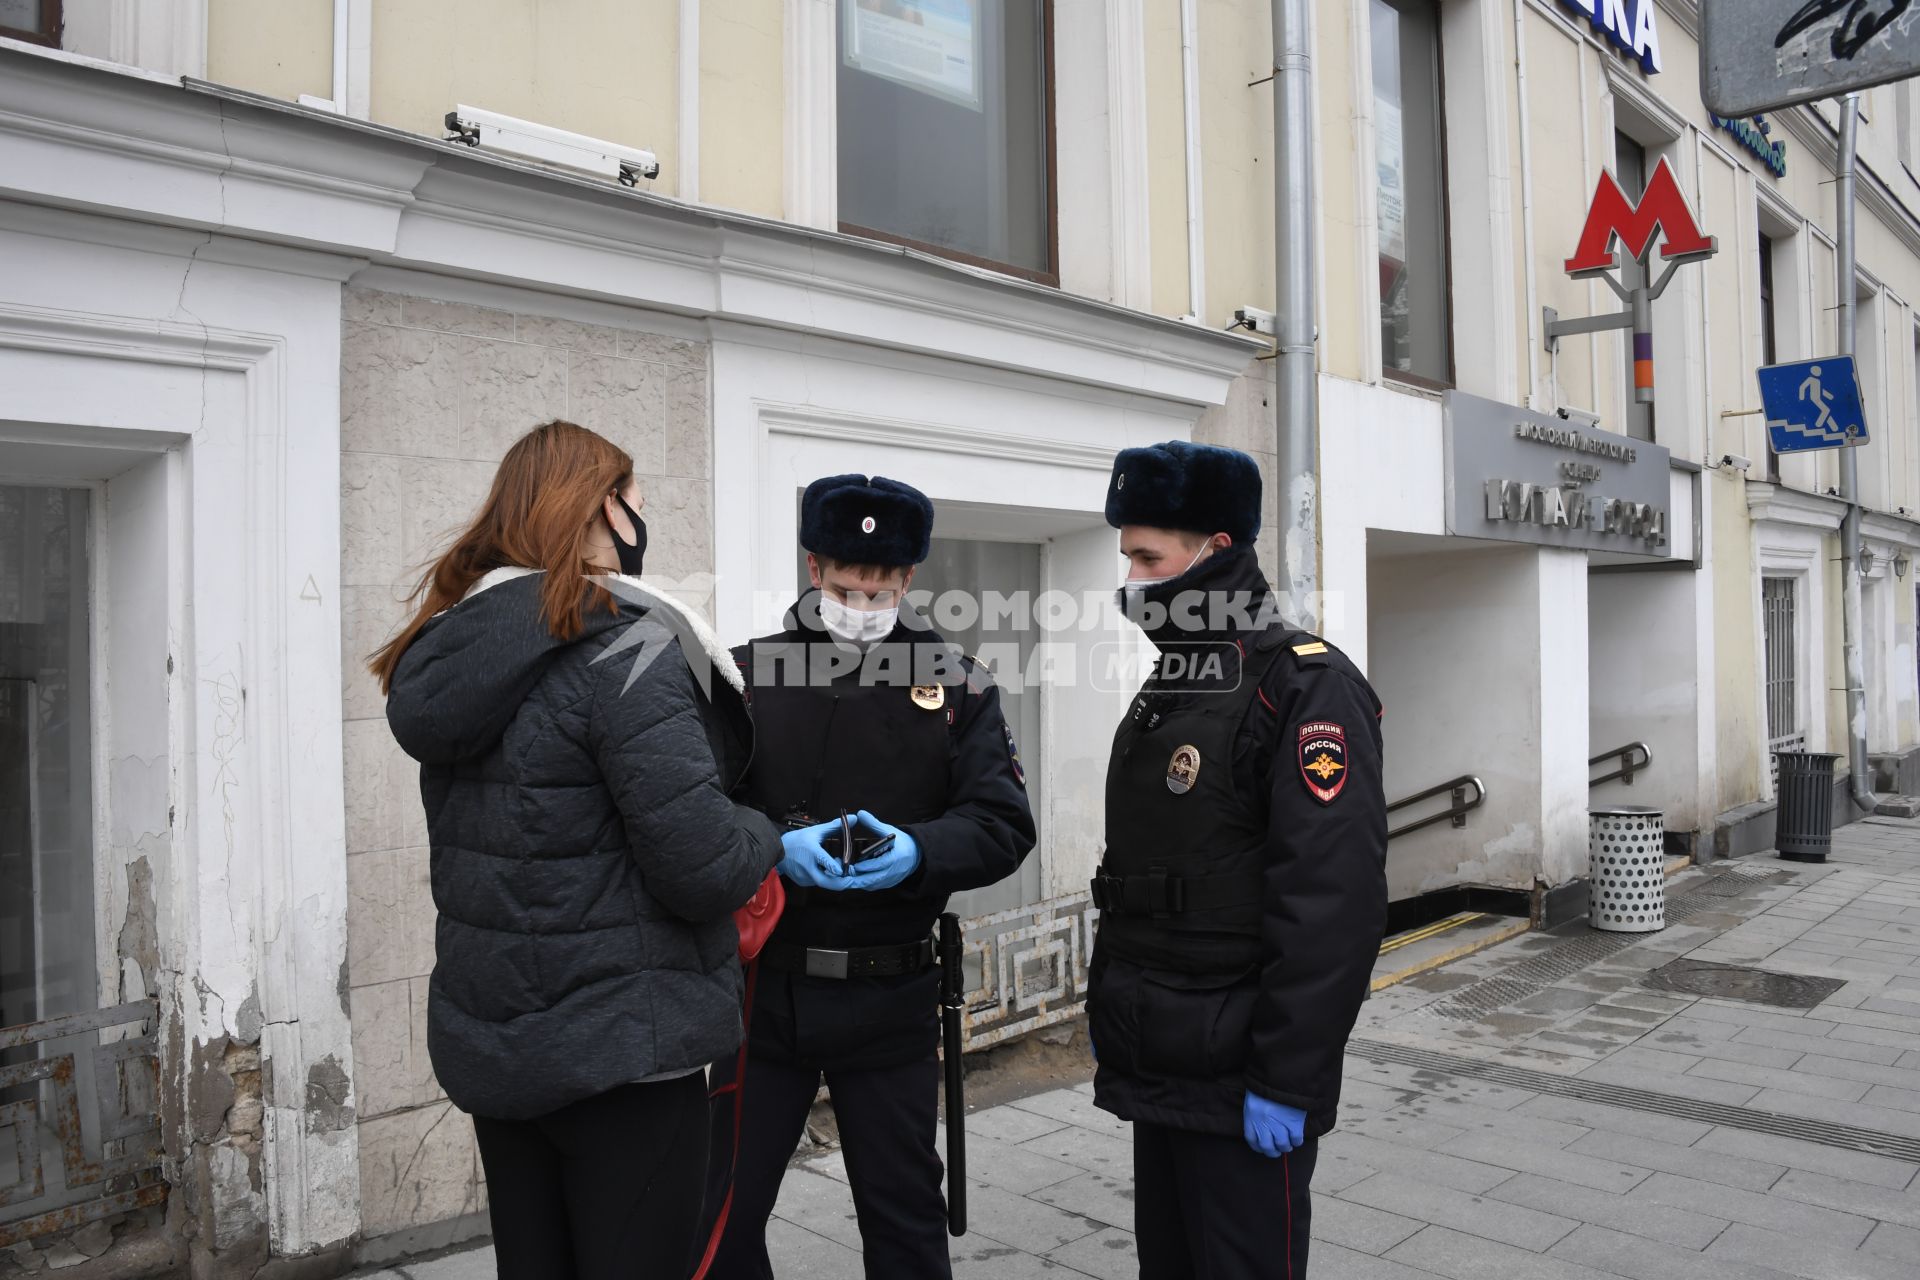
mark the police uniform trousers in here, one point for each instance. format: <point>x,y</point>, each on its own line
<point>887,1117</point>
<point>1207,1206</point>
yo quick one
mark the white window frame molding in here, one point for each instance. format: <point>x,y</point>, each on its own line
<point>813,120</point>
<point>168,36</point>
<point>1481,219</point>
<point>1775,218</point>
<point>259,848</point>
<point>1367,197</point>
<point>1789,534</point>
<point>1126,128</point>
<point>687,179</point>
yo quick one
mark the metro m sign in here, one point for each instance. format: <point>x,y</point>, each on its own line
<point>1663,206</point>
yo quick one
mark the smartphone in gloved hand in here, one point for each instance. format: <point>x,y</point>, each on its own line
<point>860,843</point>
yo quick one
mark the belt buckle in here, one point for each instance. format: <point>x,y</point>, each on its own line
<point>826,964</point>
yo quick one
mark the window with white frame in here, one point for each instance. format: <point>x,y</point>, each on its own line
<point>945,129</point>
<point>35,21</point>
<point>1409,139</point>
<point>1779,600</point>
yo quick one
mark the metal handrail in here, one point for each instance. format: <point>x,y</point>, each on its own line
<point>1627,767</point>
<point>1456,811</point>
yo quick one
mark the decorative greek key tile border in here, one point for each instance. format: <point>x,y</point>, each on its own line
<point>1028,967</point>
<point>78,1185</point>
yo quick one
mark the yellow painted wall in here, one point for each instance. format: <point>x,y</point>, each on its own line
<point>1166,159</point>
<point>742,106</point>
<point>1237,156</point>
<point>605,68</point>
<point>1350,284</point>
<point>1561,191</point>
<point>283,49</point>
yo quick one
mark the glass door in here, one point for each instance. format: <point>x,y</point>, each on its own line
<point>1004,578</point>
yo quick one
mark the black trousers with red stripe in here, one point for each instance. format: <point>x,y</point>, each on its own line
<point>1208,1207</point>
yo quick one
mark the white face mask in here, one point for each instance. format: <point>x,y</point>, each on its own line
<point>861,627</point>
<point>1132,588</point>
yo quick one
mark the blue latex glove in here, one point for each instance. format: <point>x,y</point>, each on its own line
<point>1272,1128</point>
<point>808,863</point>
<point>891,867</point>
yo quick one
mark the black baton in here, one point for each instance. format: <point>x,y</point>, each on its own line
<point>951,1003</point>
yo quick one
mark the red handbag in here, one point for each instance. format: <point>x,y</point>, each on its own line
<point>756,920</point>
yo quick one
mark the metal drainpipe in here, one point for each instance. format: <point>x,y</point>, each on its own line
<point>1849,471</point>
<point>1296,407</point>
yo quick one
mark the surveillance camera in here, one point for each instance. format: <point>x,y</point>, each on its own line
<point>1737,462</point>
<point>1585,417</point>
<point>1255,320</point>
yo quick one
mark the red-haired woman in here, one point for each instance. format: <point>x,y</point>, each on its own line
<point>587,857</point>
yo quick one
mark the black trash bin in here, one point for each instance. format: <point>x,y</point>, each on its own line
<point>1805,815</point>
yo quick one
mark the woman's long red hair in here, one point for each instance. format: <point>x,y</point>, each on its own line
<point>545,496</point>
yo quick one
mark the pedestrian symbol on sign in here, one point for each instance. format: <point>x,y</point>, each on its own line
<point>1822,400</point>
<point>1813,404</point>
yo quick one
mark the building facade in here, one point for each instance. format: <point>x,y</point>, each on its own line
<point>264,334</point>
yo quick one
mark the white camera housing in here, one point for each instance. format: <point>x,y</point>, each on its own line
<point>548,145</point>
<point>1585,417</point>
<point>1736,461</point>
<point>1255,319</point>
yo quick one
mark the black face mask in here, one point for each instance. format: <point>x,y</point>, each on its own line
<point>630,556</point>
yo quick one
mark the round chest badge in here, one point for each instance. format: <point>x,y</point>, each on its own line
<point>866,526</point>
<point>929,697</point>
<point>1183,770</point>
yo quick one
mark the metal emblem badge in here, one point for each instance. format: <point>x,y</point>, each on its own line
<point>1184,769</point>
<point>929,697</point>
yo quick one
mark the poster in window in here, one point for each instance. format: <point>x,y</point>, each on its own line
<point>932,46</point>
<point>1391,163</point>
<point>20,15</point>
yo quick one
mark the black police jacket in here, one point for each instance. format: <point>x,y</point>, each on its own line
<point>911,731</point>
<point>1185,1024</point>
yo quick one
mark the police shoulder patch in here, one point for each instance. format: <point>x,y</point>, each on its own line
<point>1323,759</point>
<point>1013,755</point>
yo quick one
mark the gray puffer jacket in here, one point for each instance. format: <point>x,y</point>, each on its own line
<point>586,854</point>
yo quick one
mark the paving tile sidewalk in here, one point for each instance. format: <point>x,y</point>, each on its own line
<point>1446,1173</point>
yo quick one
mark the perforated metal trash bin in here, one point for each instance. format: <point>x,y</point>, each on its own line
<point>1627,869</point>
<point>1804,818</point>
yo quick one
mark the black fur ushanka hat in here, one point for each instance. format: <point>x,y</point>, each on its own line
<point>857,520</point>
<point>1198,488</point>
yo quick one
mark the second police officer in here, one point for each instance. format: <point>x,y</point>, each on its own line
<point>861,709</point>
<point>1243,888</point>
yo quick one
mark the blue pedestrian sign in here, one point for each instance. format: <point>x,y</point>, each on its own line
<point>1813,404</point>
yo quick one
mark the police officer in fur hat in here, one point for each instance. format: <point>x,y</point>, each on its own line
<point>861,709</point>
<point>1243,888</point>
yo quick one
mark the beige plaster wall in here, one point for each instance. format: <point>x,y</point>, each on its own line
<point>1166,144</point>
<point>283,49</point>
<point>431,396</point>
<point>605,68</point>
<point>743,106</point>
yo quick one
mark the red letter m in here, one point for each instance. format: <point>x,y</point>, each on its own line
<point>1611,215</point>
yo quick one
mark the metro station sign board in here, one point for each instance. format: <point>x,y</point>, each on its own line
<point>1514,475</point>
<point>1629,25</point>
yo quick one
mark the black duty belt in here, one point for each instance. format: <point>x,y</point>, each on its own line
<point>1159,893</point>
<point>850,962</point>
